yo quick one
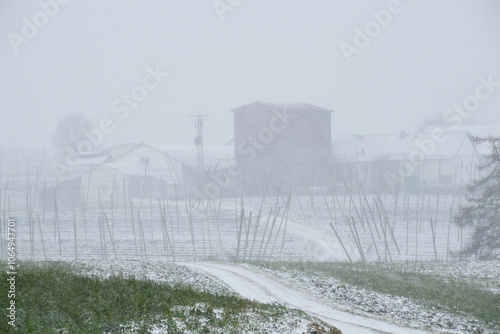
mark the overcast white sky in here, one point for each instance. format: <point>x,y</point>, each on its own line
<point>427,58</point>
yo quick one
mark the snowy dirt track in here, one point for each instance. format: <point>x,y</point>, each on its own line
<point>266,288</point>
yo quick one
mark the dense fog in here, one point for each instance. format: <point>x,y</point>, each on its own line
<point>322,130</point>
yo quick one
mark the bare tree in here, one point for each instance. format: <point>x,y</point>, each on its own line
<point>70,132</point>
<point>482,210</point>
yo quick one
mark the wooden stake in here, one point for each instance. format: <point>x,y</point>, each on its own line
<point>125,203</point>
<point>238,231</point>
<point>389,225</point>
<point>56,220</point>
<point>102,230</point>
<point>163,225</point>
<point>286,224</point>
<point>395,209</point>
<point>264,234</point>
<point>177,209</point>
<point>449,233</point>
<point>407,214</point>
<point>370,211</point>
<point>133,228</point>
<point>284,215</point>
<point>74,234</point>
<point>353,205</point>
<point>271,232</point>
<point>335,231</point>
<point>434,241</point>
<point>356,236</point>
<point>190,219</point>
<point>110,236</point>
<point>170,243</point>
<point>166,201</point>
<point>247,235</point>
<point>384,230</point>
<point>142,236</point>
<point>41,238</point>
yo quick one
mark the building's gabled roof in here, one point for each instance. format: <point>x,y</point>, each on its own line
<point>481,130</point>
<point>215,156</point>
<point>169,174</point>
<point>477,130</point>
<point>301,106</point>
<point>400,146</point>
<point>119,150</point>
<point>123,150</point>
<point>92,158</point>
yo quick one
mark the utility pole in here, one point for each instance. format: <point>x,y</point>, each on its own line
<point>198,140</point>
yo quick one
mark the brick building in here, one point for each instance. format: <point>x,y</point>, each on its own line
<point>281,144</point>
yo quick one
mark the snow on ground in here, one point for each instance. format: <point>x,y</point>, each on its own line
<point>410,234</point>
<point>252,284</point>
<point>158,271</point>
<point>292,321</point>
<point>209,233</point>
<point>400,310</point>
<point>485,273</point>
<point>251,322</point>
<point>349,308</point>
<point>329,248</point>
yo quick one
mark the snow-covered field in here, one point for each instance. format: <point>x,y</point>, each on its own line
<point>351,309</point>
<point>291,321</point>
<point>375,228</point>
<point>253,284</point>
<point>389,229</point>
<point>395,309</point>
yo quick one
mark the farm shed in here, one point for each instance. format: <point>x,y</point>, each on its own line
<point>140,171</point>
<point>414,161</point>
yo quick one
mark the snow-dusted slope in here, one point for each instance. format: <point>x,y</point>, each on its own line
<point>264,287</point>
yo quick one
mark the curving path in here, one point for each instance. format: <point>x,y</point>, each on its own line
<point>266,288</point>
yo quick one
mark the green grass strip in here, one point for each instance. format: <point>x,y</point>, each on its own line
<point>49,298</point>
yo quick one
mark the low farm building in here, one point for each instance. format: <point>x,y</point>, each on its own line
<point>414,162</point>
<point>132,171</point>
